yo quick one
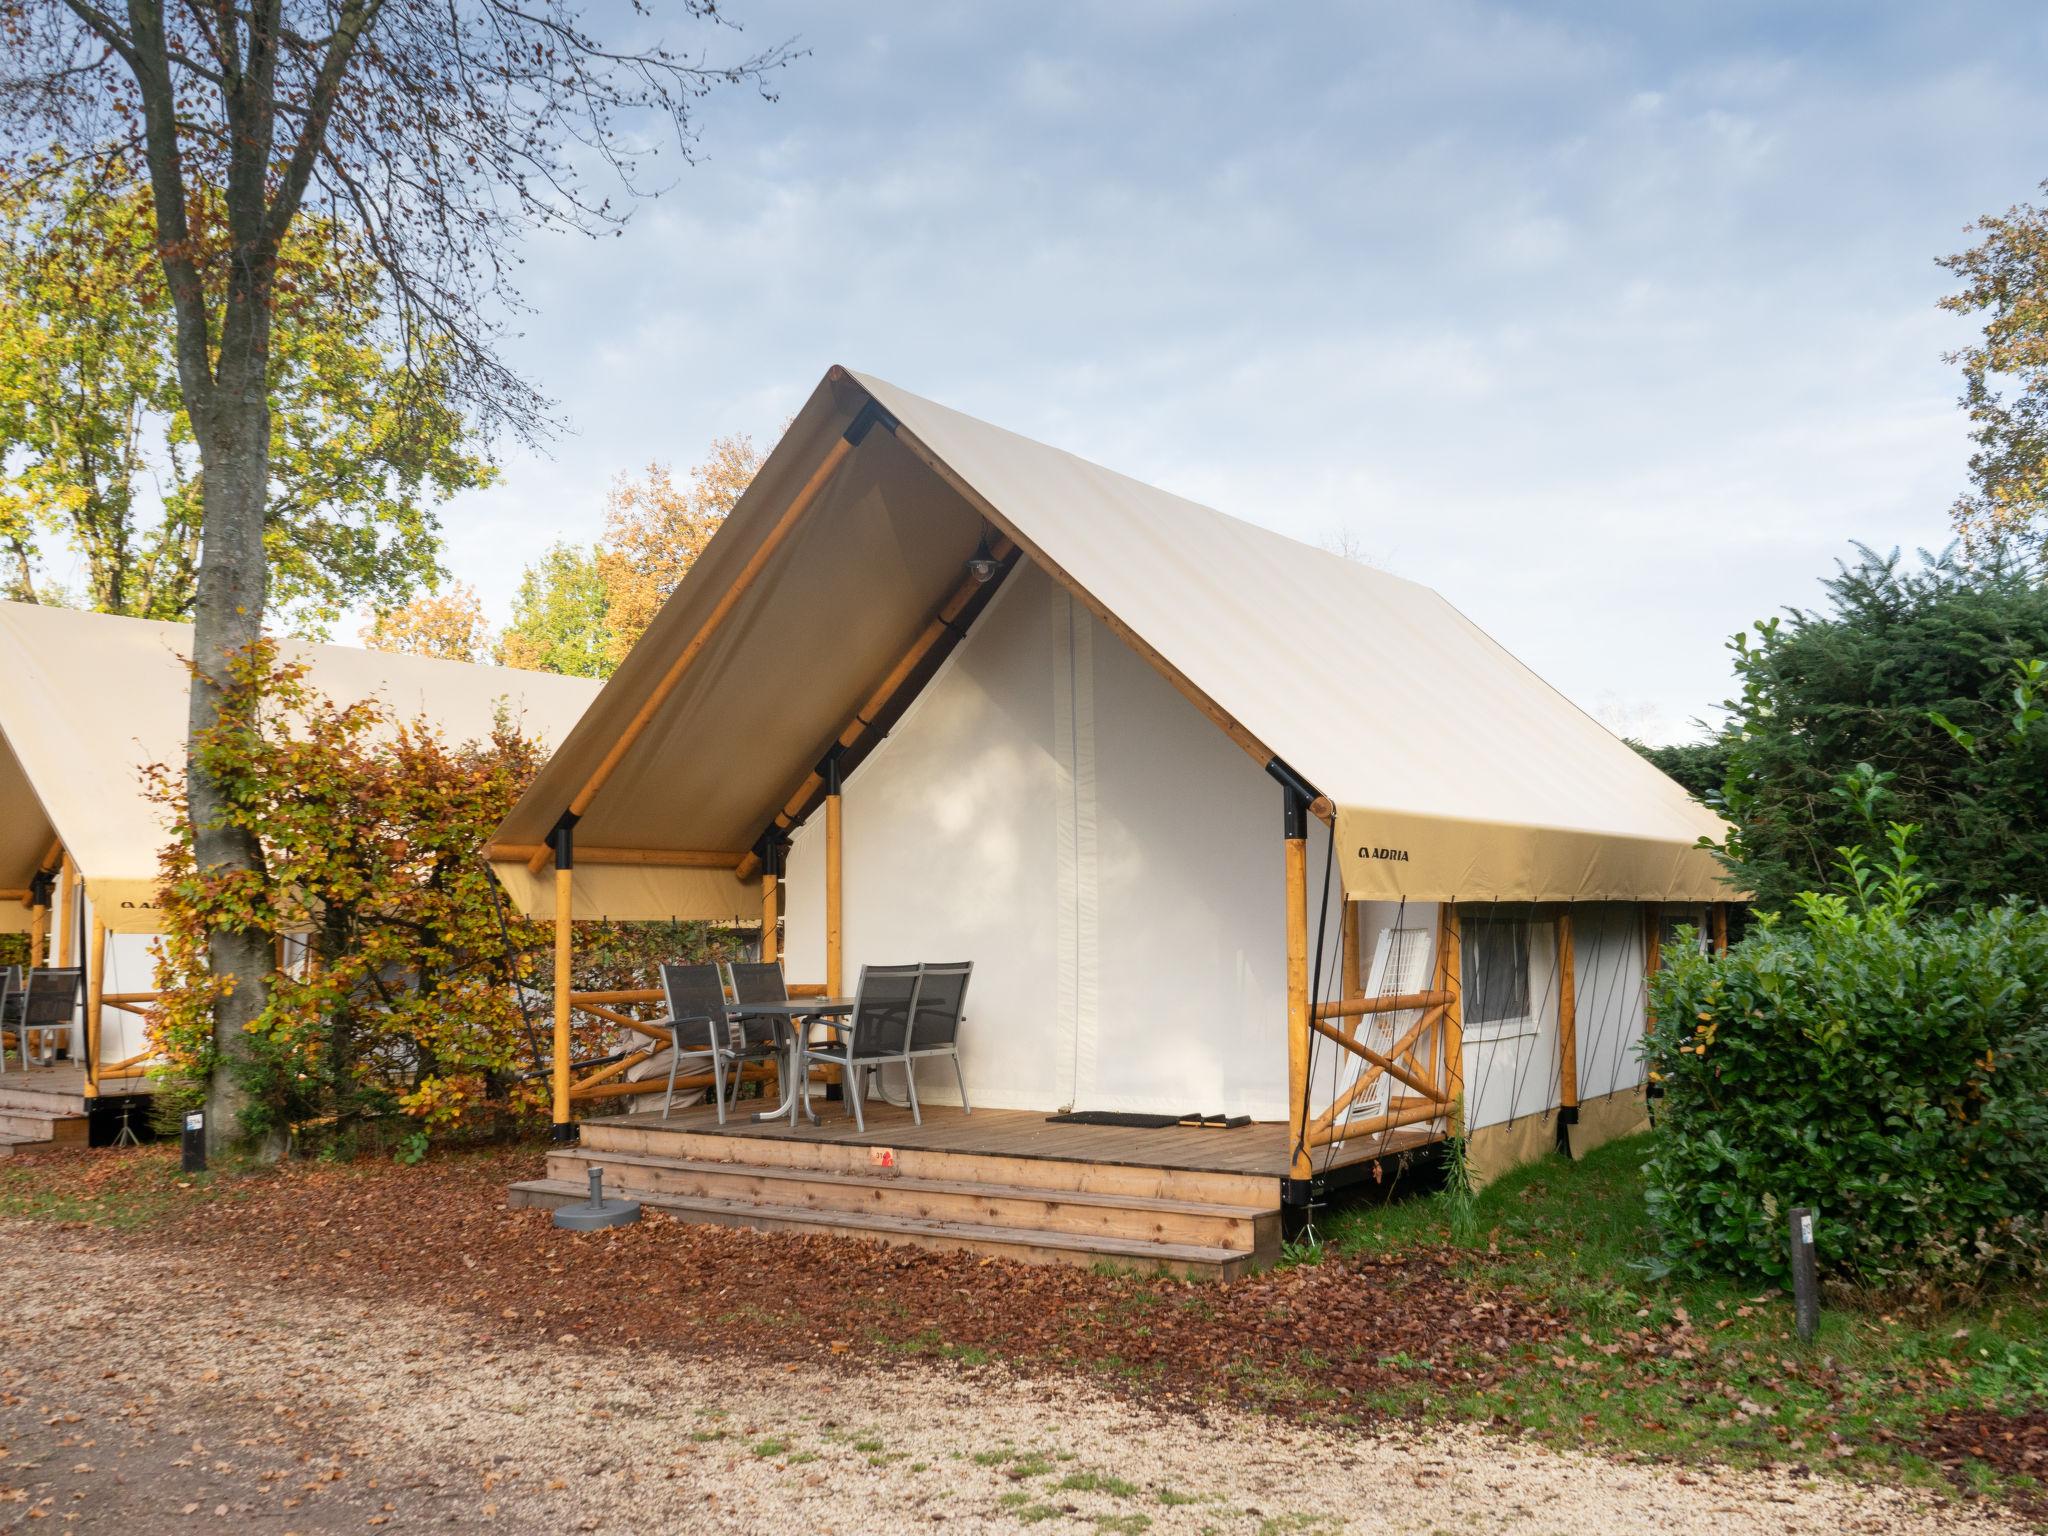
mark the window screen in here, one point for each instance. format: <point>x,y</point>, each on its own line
<point>1495,956</point>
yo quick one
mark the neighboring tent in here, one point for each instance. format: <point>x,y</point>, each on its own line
<point>89,701</point>
<point>1066,772</point>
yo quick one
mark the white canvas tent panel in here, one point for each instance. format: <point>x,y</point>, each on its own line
<point>89,701</point>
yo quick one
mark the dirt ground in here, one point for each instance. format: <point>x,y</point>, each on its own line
<point>147,1389</point>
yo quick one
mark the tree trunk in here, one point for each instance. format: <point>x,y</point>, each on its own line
<point>234,444</point>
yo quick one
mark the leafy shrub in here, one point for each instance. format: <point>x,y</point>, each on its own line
<point>1930,675</point>
<point>400,1022</point>
<point>1886,1066</point>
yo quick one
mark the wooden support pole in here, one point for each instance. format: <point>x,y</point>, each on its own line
<point>671,858</point>
<point>1393,1002</point>
<point>1354,981</point>
<point>1300,1164</point>
<point>728,600</point>
<point>95,997</point>
<point>1720,921</point>
<point>1567,1014</point>
<point>835,968</point>
<point>565,878</point>
<point>1653,957</point>
<point>66,876</point>
<point>771,906</point>
<point>1415,1114</point>
<point>1381,1064</point>
<point>38,929</point>
<point>1451,941</point>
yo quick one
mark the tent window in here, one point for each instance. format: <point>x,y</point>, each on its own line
<point>1496,971</point>
<point>1669,925</point>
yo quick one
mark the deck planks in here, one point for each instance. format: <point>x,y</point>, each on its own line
<point>1258,1149</point>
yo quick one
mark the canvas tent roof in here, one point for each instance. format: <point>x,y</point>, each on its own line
<point>1454,771</point>
<point>88,700</point>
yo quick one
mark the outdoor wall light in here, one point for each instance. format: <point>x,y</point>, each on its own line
<point>981,565</point>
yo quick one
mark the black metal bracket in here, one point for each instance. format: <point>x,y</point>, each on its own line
<point>1299,796</point>
<point>828,769</point>
<point>773,852</point>
<point>866,419</point>
<point>42,888</point>
<point>563,840</point>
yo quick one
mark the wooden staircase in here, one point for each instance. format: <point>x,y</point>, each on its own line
<point>1046,1210</point>
<point>41,1109</point>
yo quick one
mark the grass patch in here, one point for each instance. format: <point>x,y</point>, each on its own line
<point>770,1447</point>
<point>117,1190</point>
<point>1097,1482</point>
<point>1710,1370</point>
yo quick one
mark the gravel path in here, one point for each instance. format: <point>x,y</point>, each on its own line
<point>137,1393</point>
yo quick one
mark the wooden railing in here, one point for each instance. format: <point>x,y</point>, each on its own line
<point>1426,1059</point>
<point>606,1082</point>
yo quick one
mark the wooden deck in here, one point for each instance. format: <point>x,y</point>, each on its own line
<point>1004,1182</point>
<point>1259,1148</point>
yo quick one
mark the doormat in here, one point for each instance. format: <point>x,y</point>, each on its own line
<point>1148,1122</point>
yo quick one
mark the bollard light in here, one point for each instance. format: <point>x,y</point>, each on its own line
<point>1805,1276</point>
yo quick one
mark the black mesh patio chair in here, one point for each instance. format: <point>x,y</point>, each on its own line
<point>757,981</point>
<point>49,1005</point>
<point>896,1020</point>
<point>935,1025</point>
<point>10,1001</point>
<point>705,1030</point>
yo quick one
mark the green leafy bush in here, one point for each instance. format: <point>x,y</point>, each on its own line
<point>1885,1066</point>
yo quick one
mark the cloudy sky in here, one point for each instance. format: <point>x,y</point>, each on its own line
<point>1612,322</point>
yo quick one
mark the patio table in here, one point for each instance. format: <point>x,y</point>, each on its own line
<point>785,1018</point>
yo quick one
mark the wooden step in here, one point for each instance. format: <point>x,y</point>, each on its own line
<point>1258,1192</point>
<point>1238,1228</point>
<point>16,1094</point>
<point>30,1125</point>
<point>1005,1242</point>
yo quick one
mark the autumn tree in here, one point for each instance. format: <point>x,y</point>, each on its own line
<point>558,618</point>
<point>437,130</point>
<point>448,625</point>
<point>98,448</point>
<point>2005,378</point>
<point>580,611</point>
<point>654,530</point>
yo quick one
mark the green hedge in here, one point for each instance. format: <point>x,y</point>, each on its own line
<point>1887,1068</point>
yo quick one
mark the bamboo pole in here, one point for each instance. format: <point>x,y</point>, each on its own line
<point>66,877</point>
<point>1567,1014</point>
<point>835,970</point>
<point>749,573</point>
<point>1653,957</point>
<point>1379,1065</point>
<point>1454,1010</point>
<point>95,990</point>
<point>674,858</point>
<point>771,917</point>
<point>1300,1164</point>
<point>1354,984</point>
<point>564,968</point>
<point>1392,1121</point>
<point>1393,1002</point>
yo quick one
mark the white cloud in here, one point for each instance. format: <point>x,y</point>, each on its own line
<point>1613,324</point>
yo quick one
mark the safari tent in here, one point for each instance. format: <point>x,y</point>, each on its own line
<point>1226,824</point>
<point>87,703</point>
